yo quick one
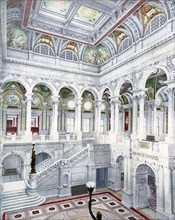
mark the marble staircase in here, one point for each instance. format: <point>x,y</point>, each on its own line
<point>44,173</point>
<point>15,197</point>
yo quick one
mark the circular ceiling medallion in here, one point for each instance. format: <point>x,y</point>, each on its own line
<point>71,104</point>
<point>87,105</point>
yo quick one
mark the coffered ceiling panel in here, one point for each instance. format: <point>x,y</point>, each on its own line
<point>85,21</point>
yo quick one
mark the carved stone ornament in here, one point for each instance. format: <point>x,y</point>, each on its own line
<point>12,99</point>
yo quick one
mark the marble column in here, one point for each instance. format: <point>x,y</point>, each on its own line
<point>141,116</point>
<point>171,120</point>
<point>23,117</point>
<point>95,117</point>
<point>129,121</point>
<point>168,191</point>
<point>125,173</point>
<point>28,132</point>
<point>99,117</point>
<point>63,118</point>
<point>19,123</point>
<point>155,119</point>
<point>78,119</point>
<point>134,121</point>
<point>116,119</point>
<point>112,119</point>
<point>160,190</point>
<point>4,119</point>
<point>55,118</point>
<point>44,117</point>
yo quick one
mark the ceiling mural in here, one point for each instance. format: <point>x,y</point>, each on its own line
<point>73,46</point>
<point>87,31</point>
<point>16,36</point>
<point>46,39</point>
<point>119,36</point>
<point>97,55</point>
<point>148,12</point>
<point>87,14</point>
<point>57,6</point>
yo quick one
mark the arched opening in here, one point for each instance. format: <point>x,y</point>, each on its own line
<point>126,107</point>
<point>153,111</point>
<point>67,109</point>
<point>145,191</point>
<point>13,168</point>
<point>106,111</point>
<point>42,157</point>
<point>41,110</point>
<point>13,109</point>
<point>87,113</point>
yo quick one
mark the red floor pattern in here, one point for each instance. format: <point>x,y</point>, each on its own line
<point>76,208</point>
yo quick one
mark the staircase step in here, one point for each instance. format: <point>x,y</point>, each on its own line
<point>13,194</point>
<point>37,200</point>
<point>15,199</point>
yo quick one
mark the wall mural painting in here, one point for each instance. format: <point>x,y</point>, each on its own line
<point>97,55</point>
<point>88,15</point>
<point>16,36</point>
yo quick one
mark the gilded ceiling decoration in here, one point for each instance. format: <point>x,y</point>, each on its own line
<point>46,39</point>
<point>86,31</point>
<point>73,46</point>
<point>119,36</point>
<point>148,12</point>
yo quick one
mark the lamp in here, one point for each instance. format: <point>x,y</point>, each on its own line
<point>90,187</point>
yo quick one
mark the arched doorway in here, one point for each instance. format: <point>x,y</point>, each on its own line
<point>13,168</point>
<point>42,157</point>
<point>145,188</point>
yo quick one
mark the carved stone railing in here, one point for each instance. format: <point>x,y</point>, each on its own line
<point>44,164</point>
<point>60,163</point>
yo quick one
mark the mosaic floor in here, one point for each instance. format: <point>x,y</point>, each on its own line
<point>76,208</point>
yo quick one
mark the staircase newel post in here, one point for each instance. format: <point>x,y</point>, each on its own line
<point>32,184</point>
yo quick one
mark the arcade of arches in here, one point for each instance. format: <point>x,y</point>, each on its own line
<point>102,113</point>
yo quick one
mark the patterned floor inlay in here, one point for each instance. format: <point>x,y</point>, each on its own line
<point>77,209</point>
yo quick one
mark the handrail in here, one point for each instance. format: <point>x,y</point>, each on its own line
<point>63,162</point>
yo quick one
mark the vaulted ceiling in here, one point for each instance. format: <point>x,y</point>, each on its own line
<point>91,31</point>
<point>85,21</point>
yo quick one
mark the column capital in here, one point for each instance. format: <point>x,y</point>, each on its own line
<point>55,99</point>
<point>98,103</point>
<point>28,96</point>
<point>44,104</point>
<point>78,101</point>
